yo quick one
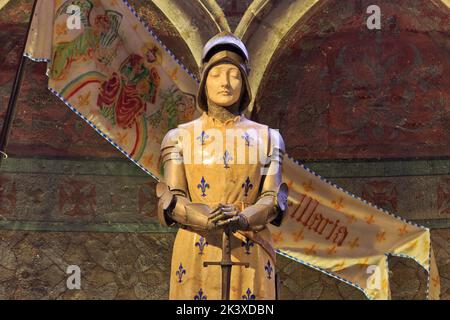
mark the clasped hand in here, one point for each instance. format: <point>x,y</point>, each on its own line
<point>228,215</point>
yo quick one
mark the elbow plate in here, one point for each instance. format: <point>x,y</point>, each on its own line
<point>271,207</point>
<point>166,204</point>
<point>281,204</point>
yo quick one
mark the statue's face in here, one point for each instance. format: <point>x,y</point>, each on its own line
<point>224,84</point>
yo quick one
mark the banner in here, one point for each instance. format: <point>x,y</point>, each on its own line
<point>3,3</point>
<point>110,68</point>
<point>112,71</point>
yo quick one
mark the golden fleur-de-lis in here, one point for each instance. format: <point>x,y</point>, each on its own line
<point>435,281</point>
<point>413,244</point>
<point>61,29</point>
<point>308,186</point>
<point>332,249</point>
<point>403,230</point>
<point>384,284</point>
<point>173,74</point>
<point>94,118</point>
<point>84,100</point>
<point>351,218</point>
<point>289,184</point>
<point>121,138</point>
<point>370,219</point>
<point>277,236</point>
<point>355,243</point>
<point>381,236</point>
<point>298,236</point>
<point>135,26</point>
<point>310,250</point>
<point>337,204</point>
<point>339,266</point>
<point>147,160</point>
<point>363,264</point>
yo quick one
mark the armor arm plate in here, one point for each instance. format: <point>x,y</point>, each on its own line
<point>174,204</point>
<point>271,205</point>
<point>171,207</point>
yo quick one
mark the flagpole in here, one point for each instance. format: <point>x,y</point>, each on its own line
<point>9,115</point>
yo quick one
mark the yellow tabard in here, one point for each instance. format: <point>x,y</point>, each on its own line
<point>223,163</point>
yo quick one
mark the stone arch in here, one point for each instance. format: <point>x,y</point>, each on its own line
<point>196,21</point>
<point>263,27</point>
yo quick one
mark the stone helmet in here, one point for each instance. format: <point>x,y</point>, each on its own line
<point>224,47</point>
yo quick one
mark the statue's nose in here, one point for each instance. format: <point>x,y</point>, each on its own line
<point>224,82</point>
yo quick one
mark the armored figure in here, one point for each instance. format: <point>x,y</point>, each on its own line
<point>222,185</point>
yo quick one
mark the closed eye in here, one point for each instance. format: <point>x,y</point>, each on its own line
<point>236,75</point>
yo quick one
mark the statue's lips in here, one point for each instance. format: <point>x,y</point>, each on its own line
<point>225,93</point>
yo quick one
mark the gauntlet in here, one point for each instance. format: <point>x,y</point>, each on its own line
<point>271,207</point>
<point>175,207</point>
